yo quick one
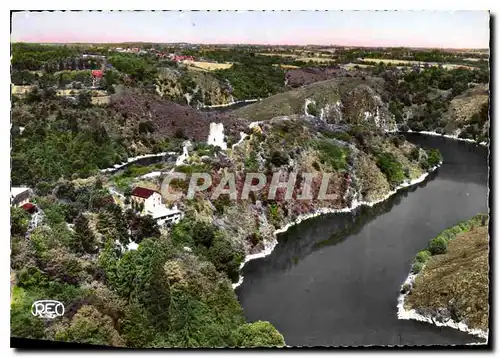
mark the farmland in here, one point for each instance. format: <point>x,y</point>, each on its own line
<point>208,66</point>
<point>448,66</point>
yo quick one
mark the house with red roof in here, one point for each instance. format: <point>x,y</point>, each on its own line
<point>151,199</point>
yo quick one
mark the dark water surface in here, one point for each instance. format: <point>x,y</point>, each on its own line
<point>334,280</point>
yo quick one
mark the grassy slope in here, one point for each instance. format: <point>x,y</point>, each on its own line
<point>457,278</point>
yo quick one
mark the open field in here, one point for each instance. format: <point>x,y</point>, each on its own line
<point>300,57</point>
<point>208,66</point>
<point>286,67</point>
<point>74,92</point>
<point>100,100</point>
<point>21,90</point>
<point>448,66</point>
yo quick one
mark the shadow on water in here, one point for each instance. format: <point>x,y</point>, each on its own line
<point>334,280</point>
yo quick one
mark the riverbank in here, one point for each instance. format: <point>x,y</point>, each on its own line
<point>484,144</point>
<point>270,245</point>
<point>448,282</point>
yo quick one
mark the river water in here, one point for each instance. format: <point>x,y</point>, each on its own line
<point>334,280</point>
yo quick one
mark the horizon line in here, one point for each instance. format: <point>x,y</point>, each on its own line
<point>248,44</point>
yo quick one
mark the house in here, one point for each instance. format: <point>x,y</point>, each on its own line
<point>167,216</point>
<point>19,196</point>
<point>151,199</point>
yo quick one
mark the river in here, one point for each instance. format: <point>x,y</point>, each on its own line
<point>334,280</point>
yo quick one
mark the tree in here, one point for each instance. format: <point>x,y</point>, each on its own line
<point>84,240</point>
<point>258,334</point>
<point>110,79</point>
<point>392,169</point>
<point>141,227</point>
<point>88,325</point>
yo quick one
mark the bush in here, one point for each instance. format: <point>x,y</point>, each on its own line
<point>417,267</point>
<point>434,157</point>
<point>422,256</point>
<point>438,246</point>
<point>312,110</point>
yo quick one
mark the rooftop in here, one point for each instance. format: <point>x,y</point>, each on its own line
<point>143,192</point>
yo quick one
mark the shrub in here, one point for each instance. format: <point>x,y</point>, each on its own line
<point>434,157</point>
<point>438,246</point>
<point>417,267</point>
<point>422,256</point>
<point>312,110</point>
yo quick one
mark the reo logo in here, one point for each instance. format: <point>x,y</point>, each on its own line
<point>47,309</point>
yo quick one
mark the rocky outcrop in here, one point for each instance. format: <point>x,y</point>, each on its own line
<point>349,101</point>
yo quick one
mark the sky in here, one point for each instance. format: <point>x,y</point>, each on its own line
<point>444,29</point>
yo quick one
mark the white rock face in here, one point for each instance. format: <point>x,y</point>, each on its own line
<point>216,135</point>
<point>185,154</point>
<point>243,135</point>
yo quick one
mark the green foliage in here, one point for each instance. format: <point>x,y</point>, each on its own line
<point>139,68</point>
<point>414,154</point>
<point>258,334</point>
<point>209,242</point>
<point>332,154</point>
<point>19,220</point>
<point>72,142</point>
<point>253,79</point>
<point>312,110</point>
<point>225,256</point>
<point>417,267</point>
<point>251,162</point>
<point>84,240</point>
<point>422,256</point>
<point>438,246</point>
<point>33,56</point>
<point>88,325</point>
<point>434,158</point>
<point>392,169</point>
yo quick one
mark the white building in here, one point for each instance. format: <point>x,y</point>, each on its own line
<point>151,199</point>
<point>166,216</point>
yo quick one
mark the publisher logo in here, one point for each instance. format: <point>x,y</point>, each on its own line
<point>47,309</point>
